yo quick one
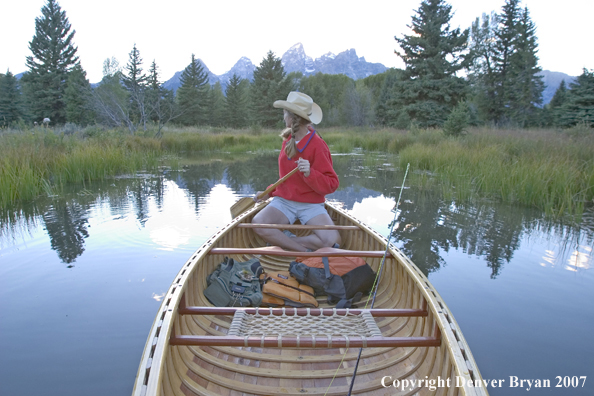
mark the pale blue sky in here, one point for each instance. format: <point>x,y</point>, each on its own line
<point>220,32</point>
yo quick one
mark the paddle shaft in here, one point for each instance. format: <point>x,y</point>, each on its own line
<point>275,185</point>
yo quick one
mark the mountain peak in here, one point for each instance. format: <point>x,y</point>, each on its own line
<point>296,60</point>
<point>297,47</point>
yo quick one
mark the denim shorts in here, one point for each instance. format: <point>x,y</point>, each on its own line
<point>302,211</point>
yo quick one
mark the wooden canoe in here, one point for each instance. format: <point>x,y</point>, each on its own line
<point>420,350</point>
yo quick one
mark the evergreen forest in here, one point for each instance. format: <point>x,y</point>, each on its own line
<point>484,75</point>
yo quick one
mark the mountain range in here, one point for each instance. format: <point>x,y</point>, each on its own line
<point>346,62</point>
<point>295,59</point>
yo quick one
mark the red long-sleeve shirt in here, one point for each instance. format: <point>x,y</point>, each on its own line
<point>322,179</point>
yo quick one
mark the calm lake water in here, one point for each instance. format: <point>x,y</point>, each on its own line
<point>82,274</point>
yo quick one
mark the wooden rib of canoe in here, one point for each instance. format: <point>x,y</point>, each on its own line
<point>421,349</point>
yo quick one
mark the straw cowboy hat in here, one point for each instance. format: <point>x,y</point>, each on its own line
<point>302,105</point>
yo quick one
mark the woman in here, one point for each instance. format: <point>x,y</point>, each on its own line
<point>302,196</point>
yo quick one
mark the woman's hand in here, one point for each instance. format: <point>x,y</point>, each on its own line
<point>264,198</point>
<point>303,166</point>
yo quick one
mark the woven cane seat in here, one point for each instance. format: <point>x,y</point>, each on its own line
<point>361,325</point>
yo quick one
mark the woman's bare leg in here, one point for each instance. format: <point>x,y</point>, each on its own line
<point>320,238</point>
<point>270,215</point>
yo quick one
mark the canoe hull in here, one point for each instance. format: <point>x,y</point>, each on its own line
<point>167,369</point>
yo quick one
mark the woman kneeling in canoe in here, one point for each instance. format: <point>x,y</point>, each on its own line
<point>302,196</point>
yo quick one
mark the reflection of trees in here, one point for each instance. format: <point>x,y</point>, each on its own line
<point>245,176</point>
<point>429,226</point>
<point>198,180</point>
<point>493,232</point>
<point>423,231</point>
<point>66,217</point>
<point>66,225</point>
<point>256,174</point>
<point>142,190</point>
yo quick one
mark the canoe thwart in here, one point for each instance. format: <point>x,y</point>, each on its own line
<point>306,342</point>
<point>375,312</point>
<point>298,226</point>
<point>323,252</point>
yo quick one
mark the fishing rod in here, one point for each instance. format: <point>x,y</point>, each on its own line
<point>381,269</point>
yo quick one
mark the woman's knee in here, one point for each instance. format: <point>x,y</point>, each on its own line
<point>329,238</point>
<point>268,215</point>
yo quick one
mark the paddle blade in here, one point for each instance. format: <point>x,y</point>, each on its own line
<point>241,206</point>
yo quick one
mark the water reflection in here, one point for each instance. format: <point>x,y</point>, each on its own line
<point>66,225</point>
<point>428,226</point>
<point>65,218</point>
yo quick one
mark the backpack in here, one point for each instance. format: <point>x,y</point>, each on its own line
<point>343,279</point>
<point>282,289</point>
<point>234,284</point>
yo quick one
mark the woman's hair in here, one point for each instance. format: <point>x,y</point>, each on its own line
<point>289,133</point>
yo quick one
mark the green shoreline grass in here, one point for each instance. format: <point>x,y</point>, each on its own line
<point>546,169</point>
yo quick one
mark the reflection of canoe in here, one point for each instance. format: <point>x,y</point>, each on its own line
<point>419,347</point>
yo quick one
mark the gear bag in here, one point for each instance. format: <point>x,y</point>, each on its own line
<point>282,289</point>
<point>343,279</point>
<point>235,284</point>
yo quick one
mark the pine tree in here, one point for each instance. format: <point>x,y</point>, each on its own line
<point>579,106</point>
<point>525,85</point>
<point>482,73</point>
<point>160,102</point>
<point>236,111</point>
<point>135,82</point>
<point>153,90</point>
<point>504,74</point>
<point>269,84</point>
<point>554,107</point>
<point>432,55</point>
<point>192,95</point>
<point>216,105</point>
<point>78,97</point>
<point>457,121</point>
<point>384,113</point>
<point>53,57</point>
<point>11,102</point>
<point>506,36</point>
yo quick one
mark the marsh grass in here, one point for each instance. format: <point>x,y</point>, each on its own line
<point>548,169</point>
<point>40,162</point>
<point>545,169</point>
<point>205,141</point>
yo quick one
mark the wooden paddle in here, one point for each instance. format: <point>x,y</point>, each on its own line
<point>246,203</point>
